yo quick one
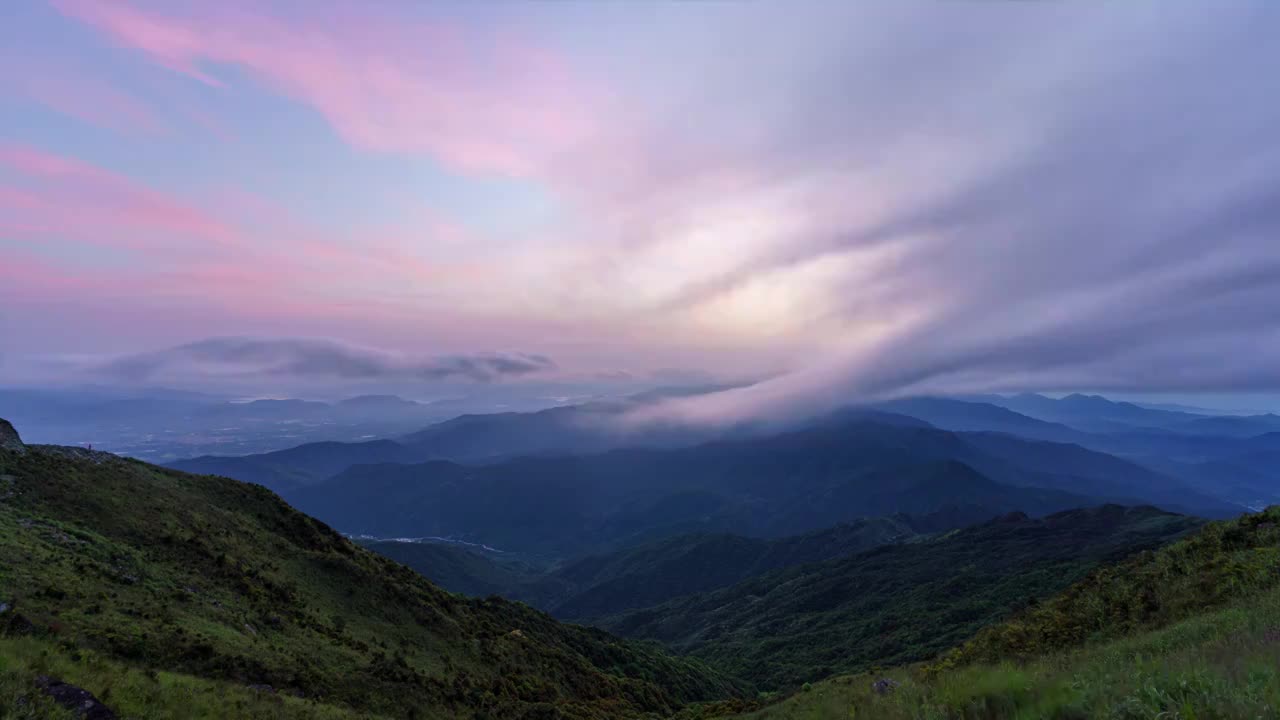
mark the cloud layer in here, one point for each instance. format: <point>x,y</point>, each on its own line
<point>272,359</point>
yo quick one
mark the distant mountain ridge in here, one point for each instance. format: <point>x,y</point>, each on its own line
<point>1095,413</point>
<point>285,471</point>
<point>1225,456</point>
<point>572,429</point>
<point>784,484</point>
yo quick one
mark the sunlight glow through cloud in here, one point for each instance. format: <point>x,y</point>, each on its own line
<point>849,198</point>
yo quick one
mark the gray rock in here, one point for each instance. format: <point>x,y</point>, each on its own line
<point>9,438</point>
<point>70,452</point>
<point>884,686</point>
<point>73,698</point>
<point>12,624</point>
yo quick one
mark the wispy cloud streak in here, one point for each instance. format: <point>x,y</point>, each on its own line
<point>479,102</point>
<point>250,358</point>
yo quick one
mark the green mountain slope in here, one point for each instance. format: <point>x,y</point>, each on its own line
<point>1186,631</point>
<point>221,580</point>
<point>656,572</point>
<point>647,574</point>
<point>469,571</point>
<point>1225,560</point>
<point>1219,665</point>
<point>897,603</point>
<point>133,692</point>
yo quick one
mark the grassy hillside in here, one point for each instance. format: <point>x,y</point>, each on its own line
<point>1225,560</point>
<point>218,579</point>
<point>1187,631</point>
<point>1220,665</point>
<point>132,692</point>
<point>895,604</point>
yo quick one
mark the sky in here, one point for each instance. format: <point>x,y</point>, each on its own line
<point>842,199</point>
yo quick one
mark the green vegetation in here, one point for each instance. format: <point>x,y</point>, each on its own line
<point>656,572</point>
<point>898,603</point>
<point>135,693</point>
<point>470,571</point>
<point>1189,631</point>
<point>156,569</point>
<point>1224,560</point>
<point>1222,665</point>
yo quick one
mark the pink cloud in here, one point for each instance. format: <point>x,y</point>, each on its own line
<point>233,290</point>
<point>64,195</point>
<point>23,274</point>
<point>76,93</point>
<point>239,251</point>
<point>479,103</point>
<point>490,102</point>
<point>382,251</point>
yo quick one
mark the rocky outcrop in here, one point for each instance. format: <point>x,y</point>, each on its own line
<point>884,686</point>
<point>79,700</point>
<point>9,438</point>
<point>71,452</point>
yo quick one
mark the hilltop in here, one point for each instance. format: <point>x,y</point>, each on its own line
<point>155,569</point>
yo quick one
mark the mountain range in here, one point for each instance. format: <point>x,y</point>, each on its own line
<point>778,485</point>
<point>709,571</point>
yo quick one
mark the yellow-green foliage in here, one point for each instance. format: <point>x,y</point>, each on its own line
<point>1222,665</point>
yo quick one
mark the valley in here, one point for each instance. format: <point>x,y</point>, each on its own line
<point>480,569</point>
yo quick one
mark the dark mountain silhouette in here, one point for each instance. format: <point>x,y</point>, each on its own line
<point>650,573</point>
<point>953,414</point>
<point>285,471</point>
<point>1091,413</point>
<point>786,484</point>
